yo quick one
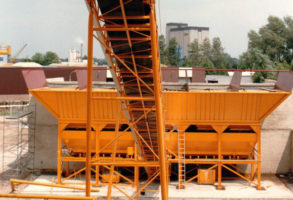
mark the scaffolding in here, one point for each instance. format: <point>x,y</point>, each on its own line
<point>17,139</point>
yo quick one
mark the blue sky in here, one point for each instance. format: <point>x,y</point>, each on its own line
<point>58,25</point>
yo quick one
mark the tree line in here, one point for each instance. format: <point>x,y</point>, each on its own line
<point>209,54</point>
<point>269,48</point>
<point>52,57</point>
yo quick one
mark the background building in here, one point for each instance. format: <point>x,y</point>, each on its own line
<point>185,35</point>
<point>74,56</point>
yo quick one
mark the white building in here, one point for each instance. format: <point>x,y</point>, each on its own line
<point>185,35</point>
<point>74,56</point>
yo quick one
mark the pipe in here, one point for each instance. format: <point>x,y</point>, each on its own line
<point>18,182</point>
<point>36,196</point>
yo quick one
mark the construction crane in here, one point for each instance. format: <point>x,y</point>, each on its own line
<point>13,59</point>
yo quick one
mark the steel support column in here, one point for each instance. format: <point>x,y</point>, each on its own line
<point>59,154</point>
<point>220,129</point>
<point>136,171</point>
<point>89,101</point>
<point>159,106</point>
<point>258,132</point>
<point>114,153</point>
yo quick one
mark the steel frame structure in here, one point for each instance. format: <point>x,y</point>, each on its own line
<point>221,161</point>
<point>133,80</point>
<point>136,73</point>
<point>45,197</point>
<point>217,146</point>
<point>225,138</point>
<point>218,161</point>
<point>130,75</point>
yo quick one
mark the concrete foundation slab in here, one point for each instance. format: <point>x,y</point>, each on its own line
<point>235,189</point>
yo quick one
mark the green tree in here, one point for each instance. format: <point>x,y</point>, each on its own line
<point>270,48</point>
<point>187,63</point>
<point>100,62</point>
<point>289,38</point>
<point>209,55</point>
<point>255,40</point>
<point>217,54</point>
<point>255,59</point>
<point>26,59</point>
<point>47,59</point>
<point>50,57</point>
<point>208,64</point>
<point>38,58</point>
<point>206,56</point>
<point>275,39</point>
<point>162,48</point>
<point>232,62</point>
<point>194,56</point>
<point>173,55</point>
<point>206,50</point>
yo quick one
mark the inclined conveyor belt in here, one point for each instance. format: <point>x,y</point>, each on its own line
<point>134,73</point>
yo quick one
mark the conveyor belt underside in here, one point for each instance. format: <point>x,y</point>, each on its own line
<point>134,73</point>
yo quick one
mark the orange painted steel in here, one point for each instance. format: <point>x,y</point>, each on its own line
<point>89,98</point>
<point>226,126</point>
<point>205,107</point>
<point>220,127</point>
<point>15,182</point>
<point>159,106</point>
<point>141,96</point>
<point>45,197</point>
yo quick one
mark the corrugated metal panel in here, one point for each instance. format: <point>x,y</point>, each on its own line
<point>70,105</point>
<point>170,75</point>
<point>75,140</point>
<point>206,143</point>
<point>210,107</point>
<point>225,107</point>
<point>198,76</point>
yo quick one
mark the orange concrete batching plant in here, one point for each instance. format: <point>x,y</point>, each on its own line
<point>138,127</point>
